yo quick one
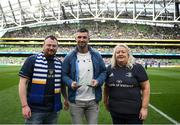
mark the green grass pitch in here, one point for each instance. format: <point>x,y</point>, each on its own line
<point>165,92</point>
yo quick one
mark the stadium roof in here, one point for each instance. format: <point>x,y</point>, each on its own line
<point>22,13</point>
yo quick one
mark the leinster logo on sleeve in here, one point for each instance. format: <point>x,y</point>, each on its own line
<point>129,74</point>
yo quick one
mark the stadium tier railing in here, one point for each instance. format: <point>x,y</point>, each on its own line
<point>136,55</point>
<point>95,40</point>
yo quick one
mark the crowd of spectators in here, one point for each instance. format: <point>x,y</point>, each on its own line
<point>150,62</point>
<point>101,30</point>
<point>12,60</point>
<point>101,49</point>
<point>98,30</point>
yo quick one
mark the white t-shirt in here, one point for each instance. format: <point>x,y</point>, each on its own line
<point>85,67</point>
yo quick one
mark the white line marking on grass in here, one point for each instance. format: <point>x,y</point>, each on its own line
<point>156,93</point>
<point>163,114</point>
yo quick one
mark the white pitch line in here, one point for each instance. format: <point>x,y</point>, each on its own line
<point>163,114</point>
<point>156,93</point>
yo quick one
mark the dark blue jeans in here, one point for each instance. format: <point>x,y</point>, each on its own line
<point>125,118</point>
<point>42,118</point>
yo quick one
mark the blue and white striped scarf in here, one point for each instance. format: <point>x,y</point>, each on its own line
<point>39,81</point>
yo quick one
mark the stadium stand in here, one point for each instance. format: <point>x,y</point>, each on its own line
<point>106,30</point>
<point>151,33</point>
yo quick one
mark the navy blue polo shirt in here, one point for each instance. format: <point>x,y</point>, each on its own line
<point>27,71</point>
<point>124,88</point>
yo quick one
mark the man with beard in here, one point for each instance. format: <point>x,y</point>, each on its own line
<point>40,85</point>
<point>84,73</point>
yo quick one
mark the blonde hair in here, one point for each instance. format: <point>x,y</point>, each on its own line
<point>130,59</point>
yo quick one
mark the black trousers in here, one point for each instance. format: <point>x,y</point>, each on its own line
<point>125,118</point>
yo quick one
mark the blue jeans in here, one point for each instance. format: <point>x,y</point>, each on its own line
<point>42,118</point>
<point>89,109</point>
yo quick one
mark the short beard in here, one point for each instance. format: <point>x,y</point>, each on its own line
<point>49,55</point>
